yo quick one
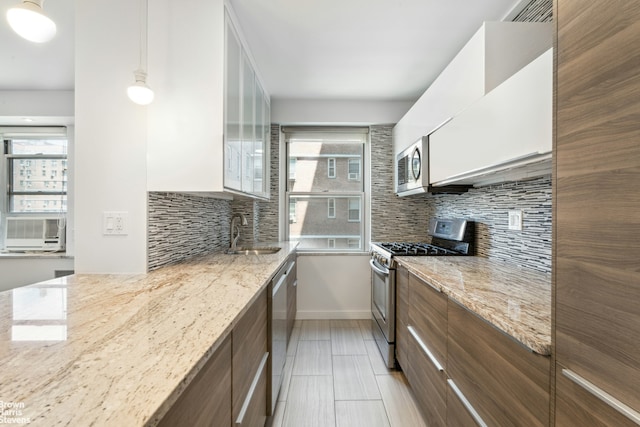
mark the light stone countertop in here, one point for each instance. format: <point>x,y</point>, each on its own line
<point>117,350</point>
<point>515,300</point>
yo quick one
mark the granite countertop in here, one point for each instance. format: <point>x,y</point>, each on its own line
<point>117,350</point>
<point>515,300</point>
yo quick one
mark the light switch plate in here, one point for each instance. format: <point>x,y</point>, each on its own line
<point>515,220</point>
<point>115,223</point>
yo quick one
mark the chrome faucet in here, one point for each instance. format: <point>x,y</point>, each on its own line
<point>234,228</point>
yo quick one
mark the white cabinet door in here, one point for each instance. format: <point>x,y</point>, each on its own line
<point>232,128</point>
<point>511,123</point>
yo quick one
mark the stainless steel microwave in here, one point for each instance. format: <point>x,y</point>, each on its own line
<point>412,172</point>
<point>412,168</point>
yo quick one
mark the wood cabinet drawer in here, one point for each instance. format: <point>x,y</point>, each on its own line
<point>402,315</point>
<point>207,399</point>
<point>577,406</point>
<point>503,381</point>
<point>427,381</point>
<point>428,317</point>
<point>249,347</point>
<point>459,415</point>
<point>427,350</point>
<point>253,412</point>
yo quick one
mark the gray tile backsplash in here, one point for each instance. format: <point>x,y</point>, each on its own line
<point>182,225</point>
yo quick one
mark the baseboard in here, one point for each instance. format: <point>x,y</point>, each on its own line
<point>333,315</point>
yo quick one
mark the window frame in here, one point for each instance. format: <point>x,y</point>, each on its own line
<point>13,183</point>
<point>349,209</point>
<point>290,134</point>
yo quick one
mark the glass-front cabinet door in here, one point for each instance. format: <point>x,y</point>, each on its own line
<point>247,122</point>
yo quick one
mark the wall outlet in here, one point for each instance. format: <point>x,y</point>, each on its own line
<point>115,223</point>
<point>515,220</point>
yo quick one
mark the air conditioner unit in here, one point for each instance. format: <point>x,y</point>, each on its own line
<point>34,234</point>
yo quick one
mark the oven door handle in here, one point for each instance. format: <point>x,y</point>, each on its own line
<point>377,269</point>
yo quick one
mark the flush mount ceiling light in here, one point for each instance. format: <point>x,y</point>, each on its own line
<point>140,92</point>
<point>30,22</point>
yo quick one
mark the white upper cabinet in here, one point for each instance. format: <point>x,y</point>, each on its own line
<point>495,52</point>
<point>202,126</point>
<point>493,139</point>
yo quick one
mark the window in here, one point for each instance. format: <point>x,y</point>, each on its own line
<point>331,208</point>
<point>354,210</point>
<point>328,205</point>
<point>331,167</point>
<point>40,192</point>
<point>354,169</point>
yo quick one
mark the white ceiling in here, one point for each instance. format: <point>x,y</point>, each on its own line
<point>359,49</point>
<point>305,49</point>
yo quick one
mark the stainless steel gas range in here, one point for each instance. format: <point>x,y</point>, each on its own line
<point>449,237</point>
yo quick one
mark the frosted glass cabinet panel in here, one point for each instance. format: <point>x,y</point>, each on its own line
<point>246,122</point>
<point>232,130</point>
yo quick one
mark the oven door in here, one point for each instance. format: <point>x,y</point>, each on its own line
<point>383,299</point>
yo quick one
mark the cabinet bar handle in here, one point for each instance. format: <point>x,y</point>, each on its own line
<point>425,349</point>
<point>605,397</point>
<point>252,390</point>
<point>478,419</point>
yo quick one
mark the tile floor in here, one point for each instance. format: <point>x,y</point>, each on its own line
<point>335,377</point>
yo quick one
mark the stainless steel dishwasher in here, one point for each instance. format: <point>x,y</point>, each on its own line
<point>278,330</point>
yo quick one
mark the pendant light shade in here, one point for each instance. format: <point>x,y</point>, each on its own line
<point>30,22</point>
<point>139,92</point>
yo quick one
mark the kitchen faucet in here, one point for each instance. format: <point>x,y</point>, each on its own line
<point>234,240</point>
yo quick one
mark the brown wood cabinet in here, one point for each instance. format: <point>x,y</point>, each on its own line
<point>207,399</point>
<point>249,364</point>
<point>507,384</point>
<point>597,208</point>
<point>402,316</point>
<point>427,350</point>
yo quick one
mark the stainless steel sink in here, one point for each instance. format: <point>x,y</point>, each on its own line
<point>258,250</point>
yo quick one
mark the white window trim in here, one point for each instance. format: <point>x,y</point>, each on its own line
<point>331,243</point>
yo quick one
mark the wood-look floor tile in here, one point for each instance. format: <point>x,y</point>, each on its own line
<point>310,403</point>
<point>362,413</point>
<point>399,401</point>
<point>345,323</point>
<point>313,358</point>
<point>353,378</point>
<point>347,341</point>
<point>315,330</point>
<point>365,328</point>
<point>377,362</point>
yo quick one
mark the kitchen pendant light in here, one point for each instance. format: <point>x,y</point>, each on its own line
<point>140,92</point>
<point>30,22</point>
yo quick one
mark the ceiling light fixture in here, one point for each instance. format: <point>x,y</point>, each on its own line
<point>140,92</point>
<point>30,22</point>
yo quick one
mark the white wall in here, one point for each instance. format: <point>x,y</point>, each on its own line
<point>110,138</point>
<point>319,112</point>
<point>25,270</point>
<point>57,104</point>
<point>334,287</point>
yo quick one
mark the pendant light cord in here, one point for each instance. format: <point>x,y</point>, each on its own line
<point>143,34</point>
